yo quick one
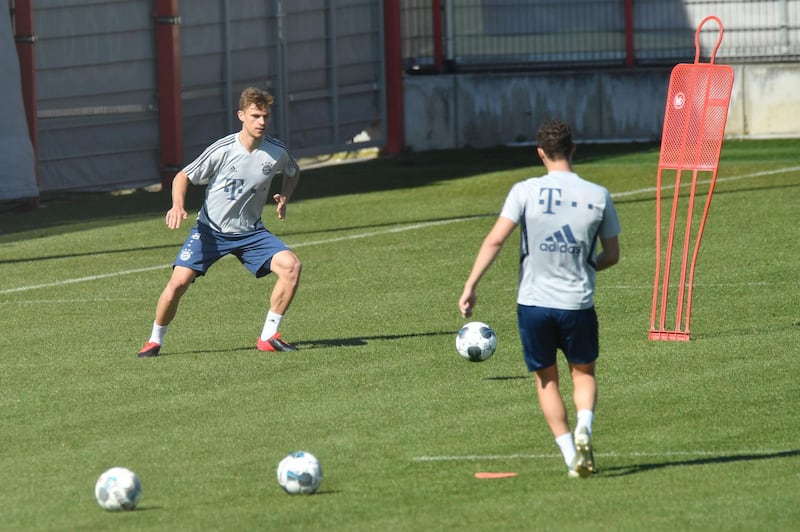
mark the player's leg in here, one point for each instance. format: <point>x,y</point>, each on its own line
<point>550,400</point>
<point>581,347</point>
<point>584,390</point>
<point>555,413</point>
<point>585,398</point>
<point>167,307</point>
<point>179,282</point>
<point>200,250</point>
<point>263,253</point>
<point>287,267</point>
<point>539,338</point>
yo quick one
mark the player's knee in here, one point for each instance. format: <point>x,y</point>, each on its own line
<point>288,266</point>
<point>295,270</point>
<point>179,282</point>
<point>176,288</point>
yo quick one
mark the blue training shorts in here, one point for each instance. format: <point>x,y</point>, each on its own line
<point>204,247</point>
<point>544,330</point>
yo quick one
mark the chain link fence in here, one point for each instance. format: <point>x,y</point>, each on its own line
<point>487,35</point>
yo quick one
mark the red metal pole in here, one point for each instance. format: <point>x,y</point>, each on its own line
<point>25,39</point>
<point>170,116</point>
<point>630,49</point>
<point>395,127</point>
<point>436,21</point>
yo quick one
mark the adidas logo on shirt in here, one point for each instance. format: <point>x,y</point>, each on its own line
<point>562,241</point>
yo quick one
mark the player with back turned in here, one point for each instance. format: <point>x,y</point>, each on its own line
<point>561,218</point>
<point>237,171</point>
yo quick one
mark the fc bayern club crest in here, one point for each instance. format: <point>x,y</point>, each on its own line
<point>266,168</point>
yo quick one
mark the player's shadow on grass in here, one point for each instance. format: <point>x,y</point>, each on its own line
<point>361,340</point>
<point>624,470</point>
<point>308,345</point>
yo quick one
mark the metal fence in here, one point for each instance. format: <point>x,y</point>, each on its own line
<point>544,34</point>
<point>95,77</point>
<point>321,59</point>
<point>97,89</point>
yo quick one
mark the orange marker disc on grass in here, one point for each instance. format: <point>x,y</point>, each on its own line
<point>488,474</point>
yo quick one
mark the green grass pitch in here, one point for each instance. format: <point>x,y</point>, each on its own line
<point>700,435</point>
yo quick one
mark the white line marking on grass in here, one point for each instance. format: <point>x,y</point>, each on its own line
<point>400,229</point>
<point>633,454</point>
<point>372,233</point>
<point>326,241</point>
<point>60,301</point>
<point>707,181</point>
<point>81,279</point>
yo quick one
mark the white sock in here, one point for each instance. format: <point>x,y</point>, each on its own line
<point>567,446</point>
<point>158,333</point>
<point>585,418</point>
<point>271,325</point>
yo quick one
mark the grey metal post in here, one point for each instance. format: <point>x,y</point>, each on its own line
<point>226,39</point>
<point>333,70</point>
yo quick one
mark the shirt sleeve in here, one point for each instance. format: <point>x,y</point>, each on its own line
<point>290,168</point>
<point>609,227</point>
<point>513,209</point>
<point>204,167</point>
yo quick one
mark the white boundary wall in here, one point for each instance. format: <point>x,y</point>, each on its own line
<point>484,110</point>
<point>17,172</point>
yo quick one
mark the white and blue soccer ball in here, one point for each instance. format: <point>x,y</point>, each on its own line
<point>118,488</point>
<point>300,473</point>
<point>476,341</point>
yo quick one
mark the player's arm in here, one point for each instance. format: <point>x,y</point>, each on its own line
<point>609,256</point>
<point>487,253</point>
<point>609,237</point>
<point>282,198</point>
<point>180,184</point>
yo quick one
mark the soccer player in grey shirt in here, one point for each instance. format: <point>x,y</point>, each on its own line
<point>237,171</point>
<point>561,218</point>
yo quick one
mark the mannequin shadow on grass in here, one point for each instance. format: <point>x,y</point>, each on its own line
<point>624,470</point>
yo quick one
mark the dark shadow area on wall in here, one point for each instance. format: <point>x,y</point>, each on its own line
<point>403,171</point>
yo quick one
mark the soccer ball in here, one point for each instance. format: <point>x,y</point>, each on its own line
<point>300,473</point>
<point>476,341</point>
<point>118,489</point>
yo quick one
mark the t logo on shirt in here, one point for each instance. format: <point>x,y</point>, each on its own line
<point>549,199</point>
<point>233,187</point>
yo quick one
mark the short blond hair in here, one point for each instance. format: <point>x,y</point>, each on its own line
<point>255,96</point>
